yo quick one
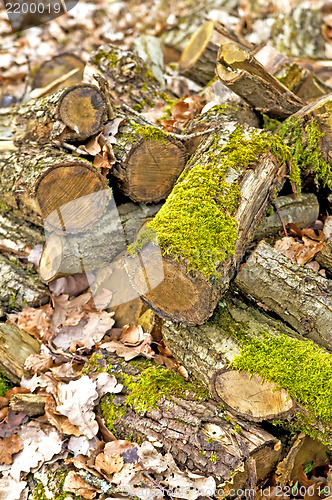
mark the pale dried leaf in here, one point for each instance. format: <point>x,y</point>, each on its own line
<point>106,382</point>
<point>92,147</point>
<point>35,255</point>
<point>75,484</point>
<point>8,447</point>
<point>131,335</point>
<point>81,445</point>
<point>109,464</point>
<point>76,401</point>
<point>71,285</point>
<point>10,489</point>
<point>63,306</point>
<point>111,129</point>
<point>38,363</point>
<point>64,372</point>
<point>36,322</point>
<point>45,380</point>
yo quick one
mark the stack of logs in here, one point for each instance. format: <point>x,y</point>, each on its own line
<point>214,196</point>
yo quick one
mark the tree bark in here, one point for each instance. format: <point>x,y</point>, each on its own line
<point>242,73</point>
<point>15,346</point>
<point>298,295</point>
<point>149,161</point>
<point>74,113</point>
<point>19,287</point>
<point>95,248</point>
<point>324,257</point>
<point>16,234</point>
<point>40,184</point>
<point>200,257</point>
<point>198,435</point>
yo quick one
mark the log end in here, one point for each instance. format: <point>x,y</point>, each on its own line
<point>196,46</point>
<point>57,67</point>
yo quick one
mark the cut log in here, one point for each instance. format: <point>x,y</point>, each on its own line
<point>300,296</point>
<point>302,210</point>
<point>324,257</point>
<point>189,426</point>
<point>45,184</point>
<point>309,135</point>
<point>302,82</point>
<point>74,113</point>
<point>242,73</point>
<point>272,357</point>
<point>16,235</point>
<point>59,66</point>
<point>207,222</point>
<point>149,161</point>
<point>15,346</point>
<point>18,287</point>
<point>96,247</point>
<point>129,78</point>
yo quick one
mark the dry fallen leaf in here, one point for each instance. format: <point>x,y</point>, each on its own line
<point>38,363</point>
<point>8,447</point>
<point>75,484</point>
<point>63,306</point>
<point>36,322</point>
<point>131,335</point>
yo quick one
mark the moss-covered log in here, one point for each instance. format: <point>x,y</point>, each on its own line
<point>300,296</point>
<point>302,82</point>
<point>324,258</point>
<point>95,248</point>
<point>309,135</point>
<point>129,78</point>
<point>179,417</point>
<point>242,337</point>
<point>41,184</point>
<point>15,346</point>
<point>149,161</point>
<point>208,220</point>
<point>74,113</point>
<point>19,287</point>
<point>241,72</point>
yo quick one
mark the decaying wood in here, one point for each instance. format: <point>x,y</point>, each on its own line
<point>42,183</point>
<point>15,346</point>
<point>32,405</point>
<point>19,287</point>
<point>241,72</point>
<point>302,82</point>
<point>194,431</point>
<point>149,161</point>
<point>302,210</point>
<point>324,257</point>
<point>95,248</point>
<point>74,113</point>
<point>300,296</point>
<point>190,296</point>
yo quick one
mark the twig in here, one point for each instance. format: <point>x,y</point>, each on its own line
<point>104,87</point>
<point>71,147</point>
<point>39,92</point>
<point>280,218</point>
<point>27,78</point>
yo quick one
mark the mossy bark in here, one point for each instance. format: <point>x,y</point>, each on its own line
<point>208,220</point>
<point>149,161</point>
<point>19,287</point>
<point>40,183</point>
<point>200,435</point>
<point>300,296</point>
<point>240,336</point>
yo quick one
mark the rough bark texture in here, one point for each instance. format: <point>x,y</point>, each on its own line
<point>242,73</point>
<point>298,295</point>
<point>60,116</point>
<point>39,183</point>
<point>195,432</point>
<point>19,287</point>
<point>94,249</point>
<point>15,346</point>
<point>16,234</point>
<point>149,161</point>
<point>187,294</point>
<point>302,210</point>
<point>324,258</point>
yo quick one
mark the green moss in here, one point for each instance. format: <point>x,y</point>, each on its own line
<point>270,124</point>
<point>305,151</point>
<point>149,133</point>
<point>39,492</point>
<point>214,457</point>
<point>224,320</point>
<point>197,224</point>
<point>94,364</point>
<point>55,485</point>
<point>111,412</point>
<point>5,384</point>
<point>301,367</point>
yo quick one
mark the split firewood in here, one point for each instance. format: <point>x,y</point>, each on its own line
<point>185,422</point>
<point>199,57</point>
<point>74,113</point>
<point>324,257</point>
<point>32,405</point>
<point>208,220</point>
<point>44,184</point>
<point>248,359</point>
<point>302,82</point>
<point>63,70</point>
<point>129,78</point>
<point>302,210</point>
<point>15,346</point>
<point>149,161</point>
<point>19,287</point>
<point>298,295</point>
<point>95,248</point>
<point>241,72</point>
